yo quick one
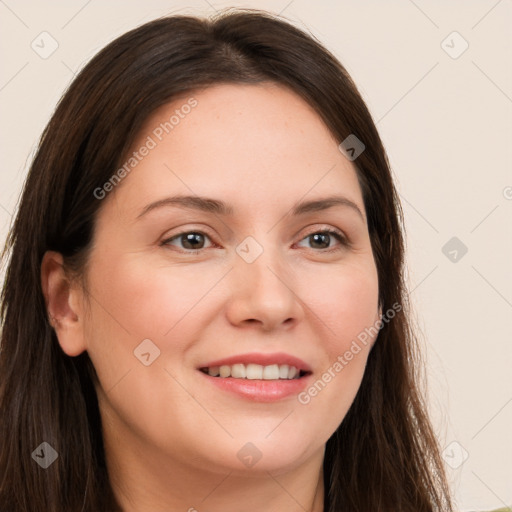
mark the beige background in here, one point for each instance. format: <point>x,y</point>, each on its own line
<point>447,125</point>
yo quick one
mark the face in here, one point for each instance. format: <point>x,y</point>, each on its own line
<point>186,296</point>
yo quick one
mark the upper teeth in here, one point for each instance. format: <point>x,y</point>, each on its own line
<point>255,371</point>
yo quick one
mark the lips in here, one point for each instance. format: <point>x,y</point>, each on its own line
<point>258,377</point>
<point>279,359</point>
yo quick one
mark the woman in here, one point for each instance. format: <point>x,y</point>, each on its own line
<point>204,306</point>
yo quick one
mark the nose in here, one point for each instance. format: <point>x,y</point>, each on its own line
<point>264,294</point>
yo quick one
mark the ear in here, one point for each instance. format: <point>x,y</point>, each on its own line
<point>63,303</point>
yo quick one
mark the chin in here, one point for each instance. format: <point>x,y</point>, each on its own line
<point>278,453</point>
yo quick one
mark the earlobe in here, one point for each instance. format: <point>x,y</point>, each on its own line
<point>62,305</point>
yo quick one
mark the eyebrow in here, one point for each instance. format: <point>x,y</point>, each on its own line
<point>209,205</point>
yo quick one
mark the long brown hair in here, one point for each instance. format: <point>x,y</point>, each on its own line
<point>384,456</point>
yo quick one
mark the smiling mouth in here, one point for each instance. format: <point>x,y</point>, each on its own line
<point>255,372</point>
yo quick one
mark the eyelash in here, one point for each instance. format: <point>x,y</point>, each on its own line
<point>331,232</point>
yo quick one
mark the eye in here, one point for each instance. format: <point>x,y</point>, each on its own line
<point>322,239</point>
<point>189,240</point>
<point>194,241</point>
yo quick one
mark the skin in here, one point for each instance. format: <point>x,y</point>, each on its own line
<point>171,437</point>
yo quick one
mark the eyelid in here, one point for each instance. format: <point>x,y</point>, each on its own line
<point>343,240</point>
<point>324,228</point>
<point>175,236</point>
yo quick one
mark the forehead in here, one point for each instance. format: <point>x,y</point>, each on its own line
<point>256,145</point>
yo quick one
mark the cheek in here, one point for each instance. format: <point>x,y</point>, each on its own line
<point>149,300</point>
<point>347,306</point>
<point>132,301</point>
<point>347,303</point>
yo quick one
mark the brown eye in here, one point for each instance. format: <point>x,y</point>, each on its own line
<point>189,241</point>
